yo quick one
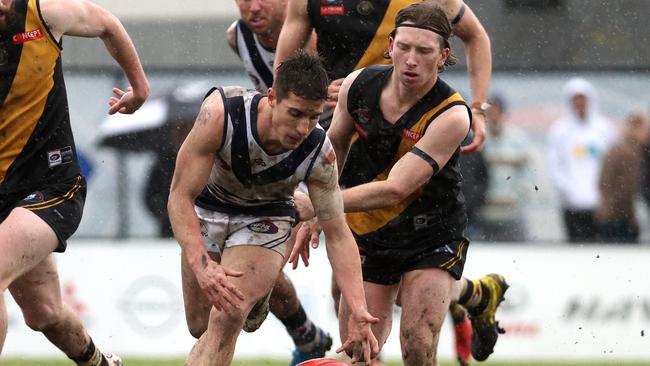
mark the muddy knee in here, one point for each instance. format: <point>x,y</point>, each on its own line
<point>41,316</point>
<point>197,324</point>
<point>418,347</point>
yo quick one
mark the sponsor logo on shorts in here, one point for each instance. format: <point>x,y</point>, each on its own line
<point>34,197</point>
<point>263,227</point>
<point>59,156</point>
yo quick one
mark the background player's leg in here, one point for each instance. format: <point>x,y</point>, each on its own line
<point>380,300</point>
<point>425,296</point>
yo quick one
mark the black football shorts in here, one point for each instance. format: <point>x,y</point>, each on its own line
<point>60,205</point>
<point>385,266</point>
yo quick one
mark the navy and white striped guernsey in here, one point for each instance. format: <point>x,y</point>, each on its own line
<point>258,60</point>
<point>247,180</point>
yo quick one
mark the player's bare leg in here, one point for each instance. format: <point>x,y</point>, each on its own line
<point>39,296</point>
<point>284,300</point>
<point>29,271</point>
<point>261,267</point>
<point>425,297</point>
<point>310,340</point>
<point>380,300</point>
<point>25,240</point>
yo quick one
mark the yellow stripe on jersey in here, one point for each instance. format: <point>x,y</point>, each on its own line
<point>365,222</point>
<point>25,103</point>
<point>375,52</point>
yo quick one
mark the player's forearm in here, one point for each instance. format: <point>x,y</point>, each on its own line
<point>479,65</point>
<point>185,224</point>
<point>346,266</point>
<point>371,196</point>
<point>341,149</point>
<point>121,48</point>
<point>295,32</point>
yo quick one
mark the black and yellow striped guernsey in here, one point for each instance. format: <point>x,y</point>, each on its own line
<point>353,33</point>
<point>435,213</point>
<point>36,142</point>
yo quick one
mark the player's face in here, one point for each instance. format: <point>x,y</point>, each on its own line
<point>417,55</point>
<point>293,119</point>
<point>7,13</point>
<point>262,16</point>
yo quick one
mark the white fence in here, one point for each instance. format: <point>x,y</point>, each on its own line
<point>565,302</point>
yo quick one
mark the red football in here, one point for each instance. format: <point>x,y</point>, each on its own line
<point>322,362</point>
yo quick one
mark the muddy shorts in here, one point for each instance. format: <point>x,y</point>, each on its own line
<point>385,266</point>
<point>220,231</point>
<point>60,205</point>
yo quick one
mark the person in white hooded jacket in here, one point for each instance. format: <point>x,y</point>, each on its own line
<point>577,143</point>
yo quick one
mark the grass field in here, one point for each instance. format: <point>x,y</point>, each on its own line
<point>170,362</point>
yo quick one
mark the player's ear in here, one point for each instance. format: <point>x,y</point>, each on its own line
<point>443,59</point>
<point>271,96</point>
<point>388,53</point>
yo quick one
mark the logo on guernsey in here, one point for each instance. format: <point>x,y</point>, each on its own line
<point>411,135</point>
<point>332,9</point>
<point>263,227</point>
<point>23,37</point>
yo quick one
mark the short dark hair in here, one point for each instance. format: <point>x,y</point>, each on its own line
<point>302,74</point>
<point>428,15</point>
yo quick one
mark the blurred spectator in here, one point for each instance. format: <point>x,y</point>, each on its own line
<point>506,153</point>
<point>620,183</point>
<point>159,127</point>
<point>474,170</point>
<point>645,189</point>
<point>577,143</point>
<point>160,176</point>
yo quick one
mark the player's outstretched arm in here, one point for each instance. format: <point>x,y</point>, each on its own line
<point>193,167</point>
<point>479,66</point>
<point>343,255</point>
<point>81,18</point>
<point>295,32</point>
<point>415,168</point>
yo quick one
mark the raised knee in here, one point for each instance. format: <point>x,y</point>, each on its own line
<point>41,316</point>
<point>197,326</point>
